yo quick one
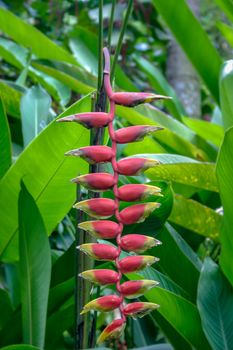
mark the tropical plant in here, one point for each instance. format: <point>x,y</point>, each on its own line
<point>39,79</point>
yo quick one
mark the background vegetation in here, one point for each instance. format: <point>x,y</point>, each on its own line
<point>49,60</point>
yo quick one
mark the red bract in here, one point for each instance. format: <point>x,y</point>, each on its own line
<point>131,193</point>
<point>99,251</point>
<point>139,309</point>
<point>105,229</point>
<point>106,303</point>
<point>137,213</point>
<point>135,166</point>
<point>134,289</point>
<point>97,207</point>
<point>113,330</point>
<point>102,208</point>
<point>93,154</point>
<point>136,263</point>
<point>101,277</point>
<point>96,182</point>
<point>134,133</point>
<point>138,243</point>
<point>131,99</point>
<point>88,120</point>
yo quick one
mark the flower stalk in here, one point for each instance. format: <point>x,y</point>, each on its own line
<point>104,208</point>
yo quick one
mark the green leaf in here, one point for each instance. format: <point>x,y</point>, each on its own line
<point>184,267</point>
<point>155,347</point>
<point>52,189</point>
<point>186,30</point>
<point>57,323</point>
<point>196,217</point>
<point>34,106</point>
<point>176,137</point>
<point>226,31</point>
<point>171,334</point>
<point>20,347</point>
<point>183,170</point>
<point>6,308</point>
<point>175,309</point>
<point>226,88</point>
<point>227,7</point>
<point>148,145</point>
<point>215,303</point>
<point>224,171</point>
<point>32,38</point>
<point>11,99</point>
<point>18,57</point>
<point>35,269</point>
<point>70,75</point>
<point>160,84</point>
<point>84,45</point>
<point>210,131</point>
<point>5,141</point>
<point>13,53</point>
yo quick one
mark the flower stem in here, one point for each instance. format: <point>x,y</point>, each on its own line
<point>84,324</point>
<point>120,40</point>
<point>111,23</point>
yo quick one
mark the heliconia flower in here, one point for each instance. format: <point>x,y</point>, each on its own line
<point>135,166</point>
<point>96,181</point>
<point>131,99</point>
<point>88,120</point>
<point>139,308</point>
<point>93,154</point>
<point>97,207</point>
<point>134,289</point>
<point>99,251</point>
<point>138,243</point>
<point>134,133</point>
<point>136,263</point>
<point>113,330</point>
<point>131,192</point>
<point>104,229</point>
<point>101,277</point>
<point>104,304</point>
<point>138,212</point>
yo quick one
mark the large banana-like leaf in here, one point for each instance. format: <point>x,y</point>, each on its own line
<point>207,130</point>
<point>183,170</point>
<point>160,85</point>
<point>215,303</point>
<point>227,7</point>
<point>84,45</point>
<point>193,39</point>
<point>224,170</point>
<point>176,136</point>
<point>11,99</point>
<point>175,309</point>
<point>27,35</point>
<point>196,217</point>
<point>35,269</point>
<point>34,105</point>
<point>224,173</point>
<point>184,268</point>
<point>46,173</point>
<point>226,88</point>
<point>5,141</point>
<point>20,347</point>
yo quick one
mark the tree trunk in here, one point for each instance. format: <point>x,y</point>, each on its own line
<point>182,76</point>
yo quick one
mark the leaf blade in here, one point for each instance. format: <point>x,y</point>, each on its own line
<point>34,253</point>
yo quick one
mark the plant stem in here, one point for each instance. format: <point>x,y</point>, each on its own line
<point>100,48</point>
<point>120,40</point>
<point>111,24</point>
<point>79,283</point>
<point>84,329</point>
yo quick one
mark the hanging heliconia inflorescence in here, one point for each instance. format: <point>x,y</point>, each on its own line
<point>103,208</point>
